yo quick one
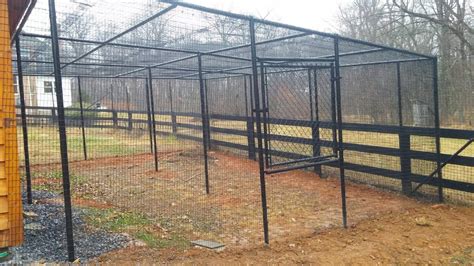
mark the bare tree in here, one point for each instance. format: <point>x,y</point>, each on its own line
<point>442,27</point>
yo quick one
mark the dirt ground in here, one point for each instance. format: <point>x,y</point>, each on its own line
<point>304,214</point>
<point>422,234</point>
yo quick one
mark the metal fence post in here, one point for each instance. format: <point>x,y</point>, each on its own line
<point>437,128</point>
<point>208,118</point>
<point>258,112</point>
<point>54,118</point>
<point>148,112</point>
<point>339,123</point>
<point>205,118</point>
<point>404,141</point>
<point>114,112</point>
<point>114,118</point>
<point>84,147</point>
<point>314,116</point>
<point>152,105</point>
<point>26,150</point>
<point>266,140</point>
<point>129,113</point>
<point>62,131</point>
<point>333,110</point>
<point>174,127</point>
<point>249,120</point>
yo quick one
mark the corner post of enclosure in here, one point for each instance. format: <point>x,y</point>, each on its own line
<point>404,141</point>
<point>62,130</point>
<point>205,122</point>
<point>437,127</point>
<point>258,121</point>
<point>26,150</point>
<point>339,126</point>
<point>79,89</point>
<point>148,112</point>
<point>152,105</point>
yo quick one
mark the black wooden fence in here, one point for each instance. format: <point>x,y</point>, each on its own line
<point>128,120</point>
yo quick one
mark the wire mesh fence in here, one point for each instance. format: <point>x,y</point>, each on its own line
<point>163,111</point>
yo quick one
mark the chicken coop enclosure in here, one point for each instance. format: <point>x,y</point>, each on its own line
<point>199,121</point>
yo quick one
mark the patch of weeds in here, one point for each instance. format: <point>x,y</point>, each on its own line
<point>465,258</point>
<point>52,181</point>
<point>173,241</point>
<point>171,138</point>
<point>46,187</point>
<point>52,175</point>
<point>113,220</point>
<point>137,225</point>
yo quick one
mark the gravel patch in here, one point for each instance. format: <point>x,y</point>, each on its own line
<point>45,234</point>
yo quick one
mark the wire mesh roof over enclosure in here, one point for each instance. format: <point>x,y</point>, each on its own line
<point>123,38</point>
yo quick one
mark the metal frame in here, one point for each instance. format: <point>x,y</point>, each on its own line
<point>29,197</point>
<point>62,131</point>
<point>257,116</point>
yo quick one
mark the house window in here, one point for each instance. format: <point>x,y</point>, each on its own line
<point>48,87</point>
<point>15,84</point>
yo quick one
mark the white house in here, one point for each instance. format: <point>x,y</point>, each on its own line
<point>40,91</point>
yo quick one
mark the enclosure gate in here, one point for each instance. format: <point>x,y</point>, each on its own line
<point>295,97</point>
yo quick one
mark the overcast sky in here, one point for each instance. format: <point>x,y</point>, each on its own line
<point>314,14</point>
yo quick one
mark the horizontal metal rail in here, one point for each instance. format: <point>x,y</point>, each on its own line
<point>303,166</point>
<point>311,159</point>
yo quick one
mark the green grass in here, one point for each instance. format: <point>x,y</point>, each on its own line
<point>45,147</point>
<point>53,181</point>
<point>173,241</point>
<point>116,221</point>
<point>466,257</point>
<point>137,225</point>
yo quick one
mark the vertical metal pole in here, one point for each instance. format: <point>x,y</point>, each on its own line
<point>333,111</point>
<point>129,113</point>
<point>404,141</point>
<point>314,109</point>
<point>437,127</point>
<point>267,114</point>
<point>174,128</point>
<point>84,147</point>
<point>148,111</point>
<point>152,105</point>
<point>204,118</point>
<point>310,88</point>
<point>265,109</point>
<point>251,120</point>
<point>258,121</point>
<point>114,113</point>
<point>208,120</point>
<point>26,149</point>
<point>62,131</point>
<point>339,123</point>
<point>250,136</point>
